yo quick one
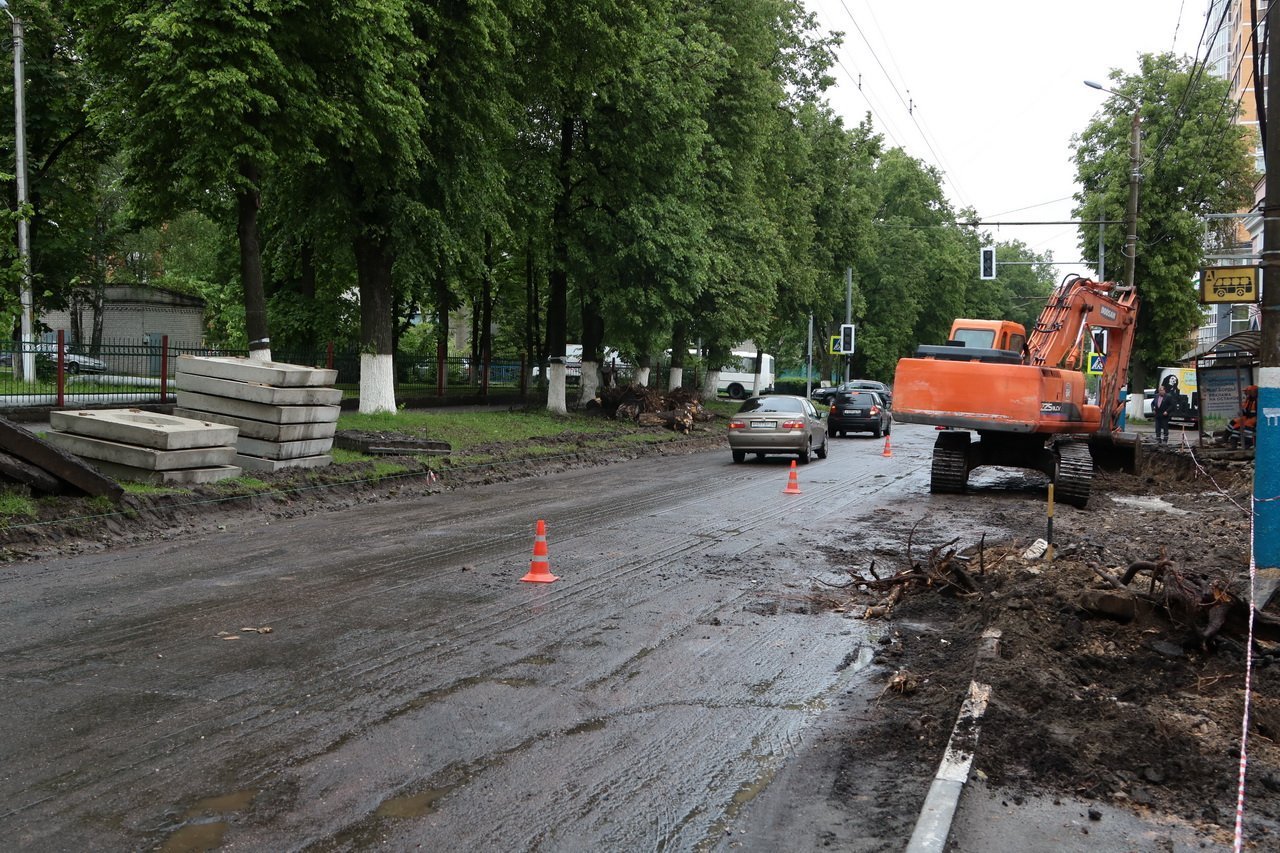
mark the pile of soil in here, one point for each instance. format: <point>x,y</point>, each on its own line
<point>1143,713</point>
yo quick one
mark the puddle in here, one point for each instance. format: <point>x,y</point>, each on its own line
<point>415,805</point>
<point>203,830</point>
<point>196,838</point>
<point>1148,503</point>
<point>237,801</point>
<point>746,793</point>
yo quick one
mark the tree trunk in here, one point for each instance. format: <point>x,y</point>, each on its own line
<point>710,383</point>
<point>532,347</point>
<point>592,345</point>
<point>679,351</point>
<point>377,375</point>
<point>558,297</point>
<point>248,201</point>
<point>486,313</point>
<point>96,298</point>
<point>443,305</point>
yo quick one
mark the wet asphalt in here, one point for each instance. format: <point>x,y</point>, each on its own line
<point>380,675</point>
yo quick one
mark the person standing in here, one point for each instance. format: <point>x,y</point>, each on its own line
<point>1162,411</point>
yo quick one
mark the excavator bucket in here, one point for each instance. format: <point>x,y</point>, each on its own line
<point>1116,451</point>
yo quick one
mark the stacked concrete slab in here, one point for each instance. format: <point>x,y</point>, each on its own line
<point>130,444</point>
<point>285,414</point>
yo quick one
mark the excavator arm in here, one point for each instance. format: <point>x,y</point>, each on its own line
<point>1061,333</point>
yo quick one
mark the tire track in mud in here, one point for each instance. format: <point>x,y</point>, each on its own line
<point>389,666</point>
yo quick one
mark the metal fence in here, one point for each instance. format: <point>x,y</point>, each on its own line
<point>134,373</point>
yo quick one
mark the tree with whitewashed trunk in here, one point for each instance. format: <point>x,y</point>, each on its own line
<point>556,388</point>
<point>589,380</point>
<point>710,384</point>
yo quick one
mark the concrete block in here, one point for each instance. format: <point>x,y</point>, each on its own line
<point>257,463</point>
<point>181,476</point>
<point>257,411</point>
<point>283,449</point>
<point>147,458</point>
<point>144,429</point>
<point>255,393</point>
<point>262,430</point>
<point>276,373</point>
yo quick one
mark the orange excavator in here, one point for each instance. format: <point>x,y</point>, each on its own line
<point>1024,395</point>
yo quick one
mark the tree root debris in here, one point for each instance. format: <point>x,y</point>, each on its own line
<point>680,410</point>
<point>944,568</point>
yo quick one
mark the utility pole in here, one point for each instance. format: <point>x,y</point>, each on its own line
<point>1266,467</point>
<point>1135,178</point>
<point>848,314</point>
<point>28,362</point>
<point>1130,241</point>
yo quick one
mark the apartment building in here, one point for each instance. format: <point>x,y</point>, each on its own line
<point>1229,45</point>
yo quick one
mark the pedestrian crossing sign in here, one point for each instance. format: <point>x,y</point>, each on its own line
<point>1097,360</point>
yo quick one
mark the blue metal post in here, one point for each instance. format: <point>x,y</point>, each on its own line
<point>1266,472</point>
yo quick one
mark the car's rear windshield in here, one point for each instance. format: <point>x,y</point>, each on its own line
<point>858,398</point>
<point>772,404</point>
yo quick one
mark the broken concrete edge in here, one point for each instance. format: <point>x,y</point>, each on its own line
<point>939,809</point>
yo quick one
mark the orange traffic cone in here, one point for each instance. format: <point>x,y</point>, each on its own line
<point>793,482</point>
<point>539,566</point>
<point>888,451</point>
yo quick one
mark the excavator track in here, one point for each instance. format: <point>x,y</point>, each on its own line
<point>950,472</point>
<point>1074,479</point>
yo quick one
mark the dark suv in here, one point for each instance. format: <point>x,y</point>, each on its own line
<point>824,396</point>
<point>858,411</point>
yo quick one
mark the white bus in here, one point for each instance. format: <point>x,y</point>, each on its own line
<point>738,378</point>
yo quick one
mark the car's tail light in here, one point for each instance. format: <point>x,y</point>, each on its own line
<point>833,409</point>
<point>737,424</point>
<point>875,410</point>
<point>793,424</point>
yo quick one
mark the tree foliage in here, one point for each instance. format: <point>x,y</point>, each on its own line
<point>643,175</point>
<point>1195,161</point>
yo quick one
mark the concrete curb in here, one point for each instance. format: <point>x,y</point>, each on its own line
<point>939,809</point>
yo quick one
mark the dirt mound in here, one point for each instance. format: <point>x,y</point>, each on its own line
<point>1141,711</point>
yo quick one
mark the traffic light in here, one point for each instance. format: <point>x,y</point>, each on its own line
<point>846,338</point>
<point>988,264</point>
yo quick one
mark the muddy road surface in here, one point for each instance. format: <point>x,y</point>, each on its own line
<point>380,676</point>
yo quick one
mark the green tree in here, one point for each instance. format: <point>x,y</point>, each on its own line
<point>64,153</point>
<point>916,278</point>
<point>200,96</point>
<point>1195,162</point>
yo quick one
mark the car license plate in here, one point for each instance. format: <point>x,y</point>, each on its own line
<point>855,412</point>
<point>761,424</point>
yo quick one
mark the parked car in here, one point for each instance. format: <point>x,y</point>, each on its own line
<point>778,423</point>
<point>823,396</point>
<point>858,411</point>
<point>1148,395</point>
<point>72,362</point>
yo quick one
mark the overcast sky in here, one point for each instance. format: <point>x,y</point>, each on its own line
<point>995,92</point>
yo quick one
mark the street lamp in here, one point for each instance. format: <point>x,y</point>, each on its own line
<point>24,227</point>
<point>1135,175</point>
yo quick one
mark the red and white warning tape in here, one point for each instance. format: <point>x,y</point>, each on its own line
<point>1248,694</point>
